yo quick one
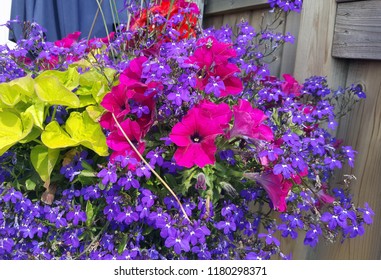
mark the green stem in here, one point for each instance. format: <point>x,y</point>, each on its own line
<point>54,112</point>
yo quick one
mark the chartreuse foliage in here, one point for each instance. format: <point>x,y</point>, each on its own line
<point>24,108</point>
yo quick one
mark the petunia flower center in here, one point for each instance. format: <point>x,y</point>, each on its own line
<point>196,138</point>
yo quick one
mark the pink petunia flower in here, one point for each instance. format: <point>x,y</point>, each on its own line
<point>290,85</point>
<point>212,58</point>
<point>117,142</point>
<point>196,133</point>
<point>275,187</point>
<point>69,40</point>
<point>248,122</point>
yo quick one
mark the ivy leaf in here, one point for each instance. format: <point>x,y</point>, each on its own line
<point>43,160</point>
<point>13,129</point>
<point>24,86</point>
<point>52,91</point>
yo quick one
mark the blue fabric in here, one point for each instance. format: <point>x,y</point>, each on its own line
<point>62,17</point>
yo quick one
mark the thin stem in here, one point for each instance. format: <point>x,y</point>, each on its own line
<point>149,166</point>
<point>105,25</point>
<point>114,20</point>
<point>93,24</point>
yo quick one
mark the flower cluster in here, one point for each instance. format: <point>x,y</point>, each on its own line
<point>211,157</point>
<point>287,5</point>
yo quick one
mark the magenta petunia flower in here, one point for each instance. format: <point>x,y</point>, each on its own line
<point>212,57</point>
<point>248,122</point>
<point>196,133</point>
<point>290,85</point>
<point>119,144</point>
<point>274,186</point>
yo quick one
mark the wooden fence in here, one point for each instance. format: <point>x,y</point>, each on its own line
<point>312,55</point>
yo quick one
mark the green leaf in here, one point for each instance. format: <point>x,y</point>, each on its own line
<point>30,185</point>
<point>123,244</point>
<point>24,86</point>
<point>95,112</point>
<point>34,134</point>
<point>87,166</point>
<point>90,77</point>
<point>37,111</point>
<point>55,137</point>
<point>68,78</point>
<point>99,90</point>
<point>87,132</point>
<point>43,160</point>
<point>86,100</point>
<point>9,96</point>
<point>52,91</point>
<point>13,129</point>
<point>80,130</point>
<point>89,213</point>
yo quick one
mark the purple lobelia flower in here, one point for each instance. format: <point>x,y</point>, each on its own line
<point>178,241</point>
<point>76,215</point>
<point>312,236</point>
<point>108,174</point>
<point>269,238</point>
<point>367,214</point>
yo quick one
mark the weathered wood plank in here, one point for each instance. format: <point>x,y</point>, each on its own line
<point>340,1</point>
<point>313,56</point>
<point>213,7</point>
<point>358,30</point>
<point>289,50</point>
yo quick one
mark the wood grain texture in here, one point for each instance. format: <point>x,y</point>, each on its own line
<point>313,55</point>
<point>358,30</point>
<point>289,50</point>
<point>213,7</point>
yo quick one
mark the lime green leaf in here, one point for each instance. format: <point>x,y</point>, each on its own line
<point>37,111</point>
<point>90,77</point>
<point>87,132</point>
<point>95,112</point>
<point>51,90</point>
<point>68,78</point>
<point>110,73</point>
<point>8,95</point>
<point>99,90</point>
<point>24,85</point>
<point>34,134</point>
<point>86,100</point>
<point>89,213</point>
<point>55,137</point>
<point>80,130</point>
<point>43,160</point>
<point>13,129</point>
<point>72,78</point>
<point>30,185</point>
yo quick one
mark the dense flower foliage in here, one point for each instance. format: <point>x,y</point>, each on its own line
<point>210,157</point>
